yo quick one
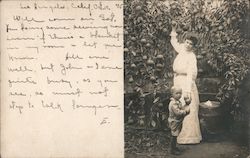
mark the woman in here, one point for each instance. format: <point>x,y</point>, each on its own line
<point>185,73</point>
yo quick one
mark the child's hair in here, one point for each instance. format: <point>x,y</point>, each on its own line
<point>174,88</point>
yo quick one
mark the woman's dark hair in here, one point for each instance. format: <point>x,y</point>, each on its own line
<point>192,38</point>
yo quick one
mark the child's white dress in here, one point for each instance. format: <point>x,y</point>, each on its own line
<point>185,69</point>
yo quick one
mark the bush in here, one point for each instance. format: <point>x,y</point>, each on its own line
<point>148,54</point>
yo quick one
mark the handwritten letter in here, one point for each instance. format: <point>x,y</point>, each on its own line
<point>62,79</point>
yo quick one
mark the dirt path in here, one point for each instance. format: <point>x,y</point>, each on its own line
<point>225,149</point>
<point>221,149</point>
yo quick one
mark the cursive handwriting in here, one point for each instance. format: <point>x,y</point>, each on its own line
<point>20,69</point>
<point>17,94</point>
<point>60,50</point>
<point>82,6</point>
<point>26,18</point>
<point>94,107</point>
<point>72,56</point>
<point>98,57</point>
<point>105,92</point>
<point>28,80</point>
<point>64,68</point>
<point>49,81</point>
<point>13,105</point>
<point>57,6</point>
<point>20,38</point>
<point>55,36</point>
<point>52,105</point>
<point>108,34</point>
<point>12,58</point>
<point>8,28</point>
<point>112,45</point>
<point>85,44</point>
<point>77,93</point>
<point>50,67</point>
<point>104,121</point>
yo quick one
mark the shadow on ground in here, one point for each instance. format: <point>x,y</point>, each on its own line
<point>154,144</point>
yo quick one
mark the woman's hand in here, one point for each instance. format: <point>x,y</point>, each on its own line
<point>174,25</point>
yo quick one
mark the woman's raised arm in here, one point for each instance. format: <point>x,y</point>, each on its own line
<point>179,48</point>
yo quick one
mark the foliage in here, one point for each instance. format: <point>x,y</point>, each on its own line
<point>148,54</point>
<point>141,141</point>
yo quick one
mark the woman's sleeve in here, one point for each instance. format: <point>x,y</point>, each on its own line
<point>177,46</point>
<point>191,72</point>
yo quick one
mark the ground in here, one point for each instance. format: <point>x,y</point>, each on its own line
<point>226,146</point>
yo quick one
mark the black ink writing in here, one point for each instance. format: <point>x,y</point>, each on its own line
<point>61,19</point>
<point>72,56</point>
<point>86,80</point>
<point>20,38</point>
<point>69,67</point>
<point>50,67</point>
<point>20,69</point>
<point>77,93</point>
<point>90,27</point>
<point>28,19</point>
<point>51,105</point>
<point>104,121</point>
<point>82,6</point>
<point>105,92</point>
<point>85,44</point>
<point>111,68</point>
<point>97,34</point>
<point>8,29</point>
<point>17,94</point>
<point>49,81</point>
<point>38,93</point>
<point>52,46</point>
<point>109,18</point>
<point>94,107</point>
<point>12,58</point>
<point>57,28</point>
<point>14,106</point>
<point>28,80</point>
<point>112,45</point>
<point>98,57</point>
<point>55,36</point>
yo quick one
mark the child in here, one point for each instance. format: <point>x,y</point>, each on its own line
<point>177,112</point>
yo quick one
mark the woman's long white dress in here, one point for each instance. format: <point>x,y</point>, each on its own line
<point>185,69</point>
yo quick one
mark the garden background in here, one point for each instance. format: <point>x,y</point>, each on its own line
<point>222,29</point>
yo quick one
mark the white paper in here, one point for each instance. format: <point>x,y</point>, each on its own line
<point>62,79</point>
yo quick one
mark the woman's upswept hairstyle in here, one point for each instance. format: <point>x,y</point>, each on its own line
<point>192,38</point>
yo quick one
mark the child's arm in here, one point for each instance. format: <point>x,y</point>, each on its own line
<point>178,111</point>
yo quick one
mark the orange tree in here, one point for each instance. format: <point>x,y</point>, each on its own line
<point>148,54</point>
